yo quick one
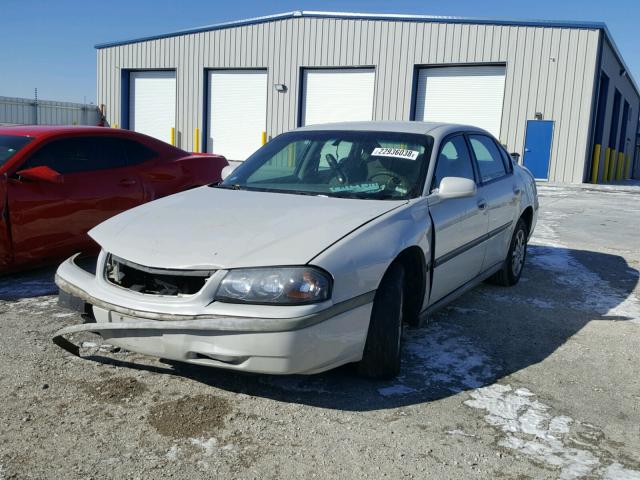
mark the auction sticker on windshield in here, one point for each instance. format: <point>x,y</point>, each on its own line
<point>395,152</point>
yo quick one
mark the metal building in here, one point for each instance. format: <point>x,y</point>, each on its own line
<point>558,93</point>
<point>27,111</point>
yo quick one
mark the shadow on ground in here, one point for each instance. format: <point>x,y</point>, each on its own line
<point>38,282</point>
<point>489,333</point>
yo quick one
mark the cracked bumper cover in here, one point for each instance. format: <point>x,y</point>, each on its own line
<point>312,339</point>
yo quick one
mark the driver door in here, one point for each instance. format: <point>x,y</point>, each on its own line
<point>460,224</point>
<point>50,220</point>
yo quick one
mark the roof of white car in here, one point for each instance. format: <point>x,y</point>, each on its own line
<point>436,129</point>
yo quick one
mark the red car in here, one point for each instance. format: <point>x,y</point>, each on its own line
<point>56,183</point>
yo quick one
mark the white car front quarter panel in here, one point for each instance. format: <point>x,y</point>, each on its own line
<point>359,261</point>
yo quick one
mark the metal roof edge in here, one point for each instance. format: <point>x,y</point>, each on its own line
<point>618,55</point>
<point>204,28</point>
<point>362,16</point>
<point>388,16</point>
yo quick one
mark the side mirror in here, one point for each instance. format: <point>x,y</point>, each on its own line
<point>226,171</point>
<point>40,174</point>
<point>516,157</point>
<point>456,187</point>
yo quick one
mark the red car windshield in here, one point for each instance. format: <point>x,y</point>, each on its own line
<point>9,146</point>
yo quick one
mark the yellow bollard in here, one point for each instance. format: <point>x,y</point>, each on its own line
<point>173,136</point>
<point>605,172</point>
<point>115,125</point>
<point>290,154</point>
<point>612,164</point>
<point>595,164</point>
<point>196,140</point>
<point>264,138</point>
<point>620,166</point>
<point>627,170</point>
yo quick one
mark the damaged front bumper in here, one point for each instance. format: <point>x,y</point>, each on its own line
<point>194,329</point>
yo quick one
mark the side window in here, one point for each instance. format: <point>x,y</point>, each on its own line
<point>136,152</point>
<point>454,160</point>
<point>64,156</point>
<point>81,154</point>
<point>106,153</point>
<point>488,156</point>
<point>507,159</point>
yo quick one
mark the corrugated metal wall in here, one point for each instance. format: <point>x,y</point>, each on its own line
<point>618,80</point>
<point>549,70</point>
<point>25,111</point>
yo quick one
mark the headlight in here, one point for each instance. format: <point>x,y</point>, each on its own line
<point>282,286</point>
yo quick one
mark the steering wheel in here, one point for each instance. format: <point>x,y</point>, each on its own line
<point>333,163</point>
<point>392,182</point>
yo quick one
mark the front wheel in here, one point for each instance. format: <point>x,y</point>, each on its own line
<point>381,356</point>
<point>513,265</point>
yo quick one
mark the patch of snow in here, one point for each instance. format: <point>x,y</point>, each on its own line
<point>208,446</point>
<point>439,356</point>
<point>536,302</point>
<point>467,311</point>
<point>618,472</point>
<point>598,295</point>
<point>172,454</point>
<point>395,390</point>
<point>532,430</point>
<point>64,315</point>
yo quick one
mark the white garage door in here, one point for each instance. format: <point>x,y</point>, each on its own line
<point>152,103</point>
<point>337,95</point>
<point>237,112</point>
<point>469,95</point>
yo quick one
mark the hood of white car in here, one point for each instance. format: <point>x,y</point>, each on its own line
<point>219,228</point>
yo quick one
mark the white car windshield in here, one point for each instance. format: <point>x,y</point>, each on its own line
<point>351,164</point>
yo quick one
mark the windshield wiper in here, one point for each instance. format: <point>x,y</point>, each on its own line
<point>363,196</point>
<point>235,186</point>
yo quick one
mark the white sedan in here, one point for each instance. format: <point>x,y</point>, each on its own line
<point>311,254</point>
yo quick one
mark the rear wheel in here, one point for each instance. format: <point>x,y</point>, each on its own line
<point>511,271</point>
<point>381,356</point>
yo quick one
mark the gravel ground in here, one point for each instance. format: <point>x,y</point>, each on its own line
<point>537,381</point>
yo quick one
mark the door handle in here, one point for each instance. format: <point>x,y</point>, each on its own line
<point>482,204</point>
<point>127,182</point>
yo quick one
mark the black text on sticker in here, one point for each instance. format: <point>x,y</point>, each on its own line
<point>395,152</point>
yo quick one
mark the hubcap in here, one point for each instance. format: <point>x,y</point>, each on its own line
<point>517,257</point>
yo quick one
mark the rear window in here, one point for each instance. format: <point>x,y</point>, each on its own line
<point>9,146</point>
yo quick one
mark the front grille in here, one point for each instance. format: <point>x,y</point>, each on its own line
<point>154,281</point>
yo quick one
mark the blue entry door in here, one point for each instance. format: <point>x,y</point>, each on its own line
<point>537,149</point>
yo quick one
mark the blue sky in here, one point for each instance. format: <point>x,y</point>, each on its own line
<point>48,44</point>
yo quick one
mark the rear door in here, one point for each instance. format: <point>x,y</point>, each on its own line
<point>498,188</point>
<point>50,220</point>
<point>460,224</point>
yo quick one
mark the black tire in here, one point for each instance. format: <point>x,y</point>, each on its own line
<point>381,357</point>
<point>513,266</point>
